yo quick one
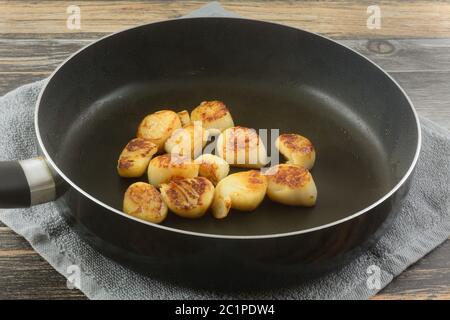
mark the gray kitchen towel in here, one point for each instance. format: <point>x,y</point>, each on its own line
<point>422,224</point>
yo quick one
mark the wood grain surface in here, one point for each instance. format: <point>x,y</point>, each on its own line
<point>413,45</point>
<point>340,19</point>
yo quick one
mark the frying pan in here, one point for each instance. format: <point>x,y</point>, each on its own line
<point>364,128</point>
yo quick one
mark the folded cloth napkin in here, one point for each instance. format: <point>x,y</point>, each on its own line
<point>422,224</point>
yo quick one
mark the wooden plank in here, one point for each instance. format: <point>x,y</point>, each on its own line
<point>25,275</point>
<point>30,277</point>
<point>11,241</point>
<point>402,55</point>
<point>429,92</point>
<point>340,19</point>
<point>429,278</point>
<point>12,80</point>
<point>30,55</point>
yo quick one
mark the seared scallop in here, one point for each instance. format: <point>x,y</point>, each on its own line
<point>291,184</point>
<point>212,167</point>
<point>242,147</point>
<point>143,201</point>
<point>241,191</point>
<point>188,141</point>
<point>297,149</point>
<point>185,118</point>
<point>158,127</point>
<point>213,115</point>
<point>163,168</point>
<point>134,159</point>
<point>188,198</point>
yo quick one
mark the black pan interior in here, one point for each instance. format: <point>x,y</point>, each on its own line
<point>270,76</point>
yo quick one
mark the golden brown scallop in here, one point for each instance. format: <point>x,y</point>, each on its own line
<point>188,141</point>
<point>213,115</point>
<point>188,198</point>
<point>291,184</point>
<point>212,167</point>
<point>297,149</point>
<point>143,201</point>
<point>242,147</point>
<point>158,127</point>
<point>134,159</point>
<point>163,168</point>
<point>242,191</point>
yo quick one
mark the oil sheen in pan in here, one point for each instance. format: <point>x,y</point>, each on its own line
<point>351,170</point>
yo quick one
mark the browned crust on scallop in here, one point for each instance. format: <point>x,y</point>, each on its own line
<point>220,110</point>
<point>296,143</point>
<point>140,143</point>
<point>146,147</point>
<point>144,195</point>
<point>186,194</point>
<point>292,176</point>
<point>209,171</point>
<point>125,163</point>
<point>172,160</point>
<point>256,178</point>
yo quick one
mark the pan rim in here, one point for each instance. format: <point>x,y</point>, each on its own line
<point>219,236</point>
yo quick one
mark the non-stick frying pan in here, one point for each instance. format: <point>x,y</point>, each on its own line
<point>364,128</point>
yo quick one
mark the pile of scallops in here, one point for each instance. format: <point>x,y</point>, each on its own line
<point>169,147</point>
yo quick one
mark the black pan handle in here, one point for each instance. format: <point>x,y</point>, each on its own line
<point>25,183</point>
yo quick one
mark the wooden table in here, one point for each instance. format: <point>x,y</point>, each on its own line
<point>413,45</point>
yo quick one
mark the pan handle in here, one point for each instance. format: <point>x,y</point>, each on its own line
<point>25,183</point>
